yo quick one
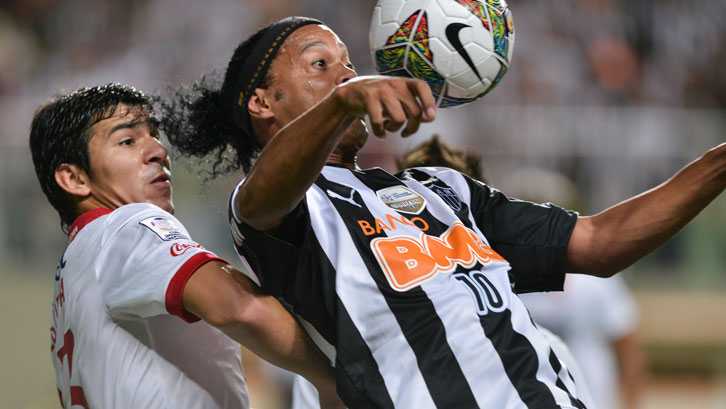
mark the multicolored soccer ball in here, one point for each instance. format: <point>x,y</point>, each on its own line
<point>461,48</point>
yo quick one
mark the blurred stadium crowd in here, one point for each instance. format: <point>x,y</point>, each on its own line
<point>613,95</point>
<point>614,52</point>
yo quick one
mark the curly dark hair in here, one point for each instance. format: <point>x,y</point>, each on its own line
<point>197,119</point>
<point>61,130</point>
<point>434,152</point>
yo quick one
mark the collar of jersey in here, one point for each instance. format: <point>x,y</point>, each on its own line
<point>82,220</point>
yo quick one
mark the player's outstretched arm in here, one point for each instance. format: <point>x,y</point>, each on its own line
<point>610,241</point>
<point>294,157</point>
<point>230,301</point>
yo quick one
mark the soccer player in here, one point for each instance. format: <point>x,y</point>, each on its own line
<point>407,282</point>
<point>132,286</point>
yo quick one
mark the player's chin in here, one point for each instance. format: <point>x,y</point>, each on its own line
<point>164,201</point>
<point>167,205</point>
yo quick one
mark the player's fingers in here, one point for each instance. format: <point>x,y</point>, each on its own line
<point>375,115</point>
<point>413,114</point>
<point>428,104</point>
<point>394,111</point>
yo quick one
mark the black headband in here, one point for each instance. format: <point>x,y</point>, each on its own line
<point>255,67</point>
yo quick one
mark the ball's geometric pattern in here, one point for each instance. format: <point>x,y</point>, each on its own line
<point>391,60</point>
<point>461,48</point>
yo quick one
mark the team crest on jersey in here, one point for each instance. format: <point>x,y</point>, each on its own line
<point>165,228</point>
<point>402,199</point>
<point>449,196</point>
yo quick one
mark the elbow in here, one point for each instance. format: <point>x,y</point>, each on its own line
<point>589,250</point>
<point>605,272</point>
<point>598,265</point>
<point>594,268</point>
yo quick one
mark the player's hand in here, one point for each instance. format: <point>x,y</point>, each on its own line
<point>389,102</point>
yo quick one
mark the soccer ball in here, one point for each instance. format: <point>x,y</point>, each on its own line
<point>461,48</point>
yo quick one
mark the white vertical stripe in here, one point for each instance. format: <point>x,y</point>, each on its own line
<point>364,303</point>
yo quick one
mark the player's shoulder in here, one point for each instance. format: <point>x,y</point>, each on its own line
<point>136,212</point>
<point>149,216</point>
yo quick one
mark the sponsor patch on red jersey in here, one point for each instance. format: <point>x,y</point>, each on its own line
<point>165,228</point>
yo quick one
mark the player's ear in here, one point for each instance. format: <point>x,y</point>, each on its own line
<point>73,179</point>
<point>259,104</point>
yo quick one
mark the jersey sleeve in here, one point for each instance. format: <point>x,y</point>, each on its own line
<point>145,261</point>
<point>532,237</point>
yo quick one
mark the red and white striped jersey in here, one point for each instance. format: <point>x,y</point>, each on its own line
<point>119,335</point>
<point>408,283</point>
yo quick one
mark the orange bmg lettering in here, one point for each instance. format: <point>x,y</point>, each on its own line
<point>408,262</point>
<point>404,260</point>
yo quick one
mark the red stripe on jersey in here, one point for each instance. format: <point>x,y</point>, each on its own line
<point>77,397</point>
<point>175,290</point>
<point>82,220</point>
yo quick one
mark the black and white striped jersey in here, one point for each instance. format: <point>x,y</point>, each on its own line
<point>408,284</point>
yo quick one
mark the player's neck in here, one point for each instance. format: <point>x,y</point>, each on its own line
<point>348,161</point>
<point>92,202</point>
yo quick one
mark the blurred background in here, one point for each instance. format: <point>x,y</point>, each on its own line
<point>604,99</point>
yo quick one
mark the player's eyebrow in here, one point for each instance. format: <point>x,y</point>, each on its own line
<point>128,124</point>
<point>317,43</point>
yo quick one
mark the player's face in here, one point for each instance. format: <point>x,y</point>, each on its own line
<point>128,162</point>
<point>309,65</point>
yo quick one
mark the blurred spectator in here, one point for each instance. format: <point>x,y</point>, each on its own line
<point>597,318</point>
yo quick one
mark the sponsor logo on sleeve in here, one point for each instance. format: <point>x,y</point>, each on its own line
<point>402,199</point>
<point>167,229</point>
<point>177,249</point>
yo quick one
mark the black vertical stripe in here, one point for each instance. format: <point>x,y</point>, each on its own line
<point>358,378</point>
<point>519,359</point>
<point>413,310</point>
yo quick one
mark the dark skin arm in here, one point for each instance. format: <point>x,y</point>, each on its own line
<point>230,301</point>
<point>608,242</point>
<point>294,157</point>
